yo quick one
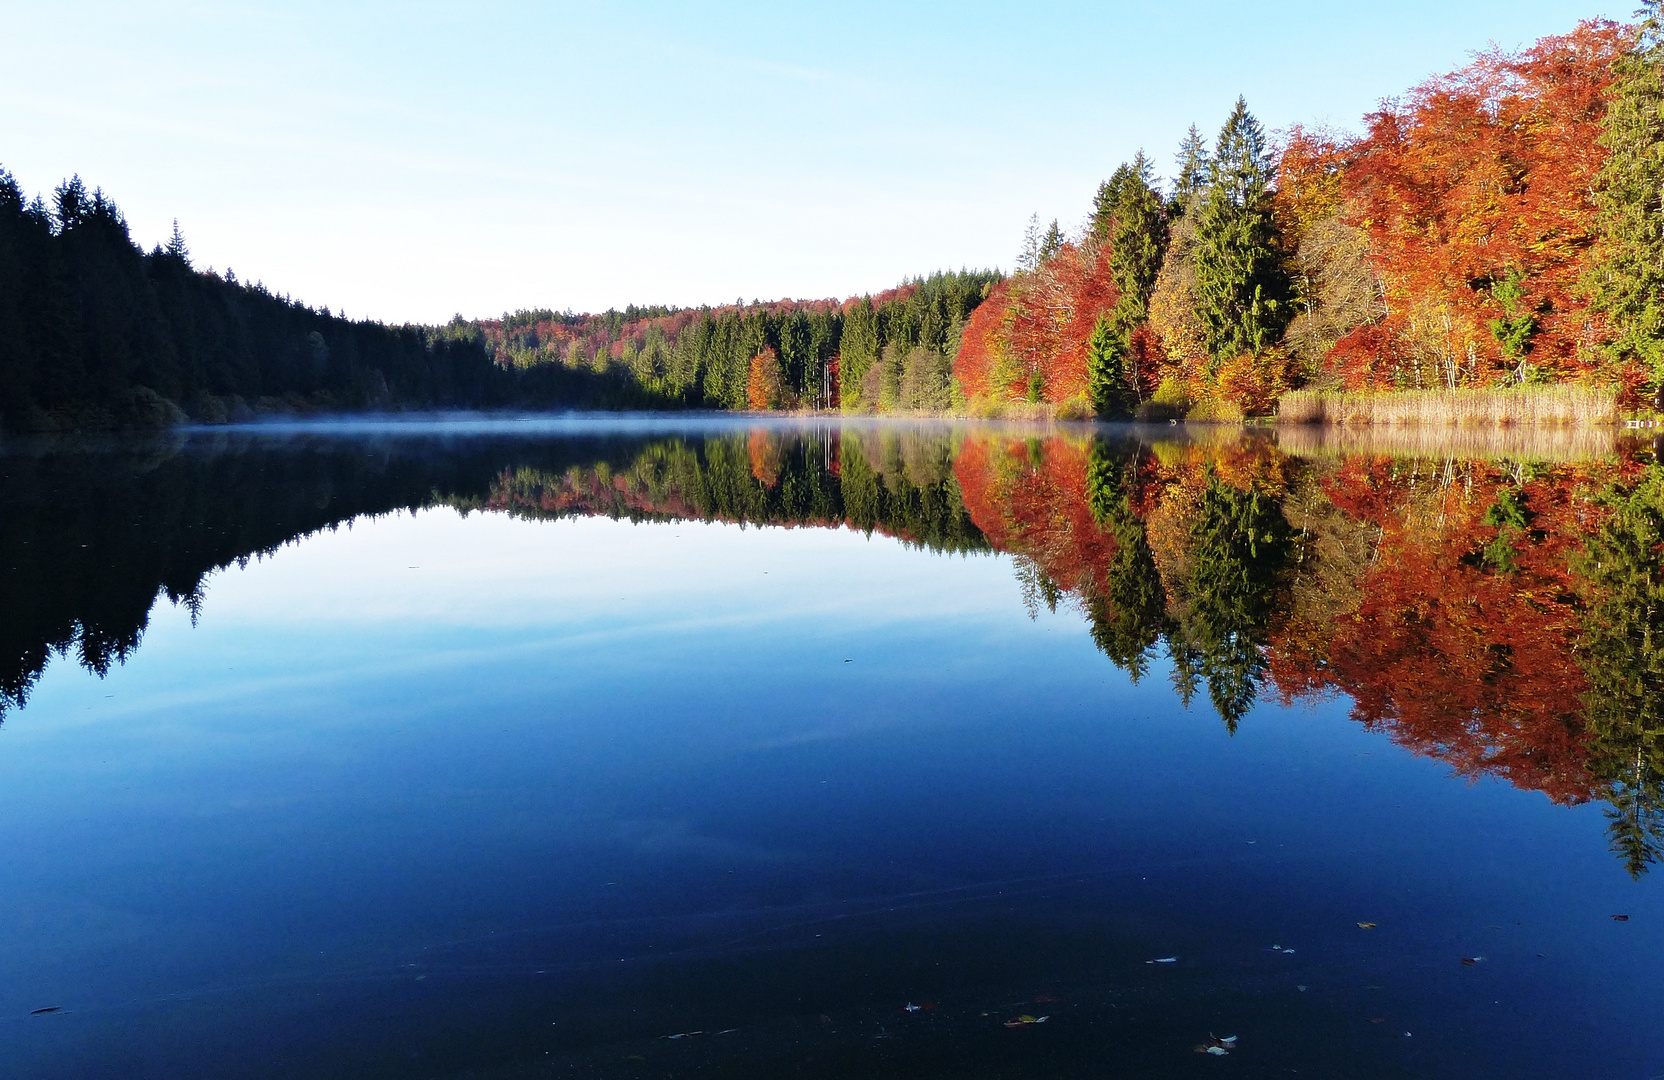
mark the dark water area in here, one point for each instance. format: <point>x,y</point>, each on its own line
<point>690,747</point>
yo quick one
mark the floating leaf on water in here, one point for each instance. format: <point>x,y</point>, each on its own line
<point>1366,926</point>
<point>48,1009</point>
<point>1026,1020</point>
<point>1620,918</point>
<point>1470,961</point>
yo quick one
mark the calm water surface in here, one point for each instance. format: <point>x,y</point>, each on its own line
<point>648,748</point>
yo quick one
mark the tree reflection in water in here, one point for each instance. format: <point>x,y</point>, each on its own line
<point>1502,612</point>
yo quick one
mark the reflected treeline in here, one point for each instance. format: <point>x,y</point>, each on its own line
<point>1501,613</point>
<point>888,480</point>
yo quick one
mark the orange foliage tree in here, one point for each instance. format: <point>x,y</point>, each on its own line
<point>1030,337</point>
<point>1475,195</point>
<point>764,389</point>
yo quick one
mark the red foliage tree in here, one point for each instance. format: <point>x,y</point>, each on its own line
<point>1478,178</point>
<point>1035,327</point>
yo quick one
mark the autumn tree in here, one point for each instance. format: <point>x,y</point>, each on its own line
<point>764,388</point>
<point>1475,192</point>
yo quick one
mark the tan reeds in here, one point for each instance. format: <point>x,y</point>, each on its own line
<point>1515,442</point>
<point>1542,406</point>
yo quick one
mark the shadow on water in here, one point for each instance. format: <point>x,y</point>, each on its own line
<point>1499,607</point>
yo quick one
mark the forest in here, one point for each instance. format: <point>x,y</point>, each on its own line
<point>1498,229</point>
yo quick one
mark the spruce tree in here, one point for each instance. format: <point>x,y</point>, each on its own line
<point>1052,243</point>
<point>1625,279</point>
<point>1192,160</point>
<point>176,245</point>
<point>1242,290</point>
<point>1129,216</point>
<point>1138,238</point>
<point>1107,381</point>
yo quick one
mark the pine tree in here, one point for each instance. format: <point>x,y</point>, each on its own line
<point>176,245</point>
<point>1052,243</point>
<point>1138,235</point>
<point>1242,290</point>
<point>1193,164</point>
<point>1127,214</point>
<point>1107,381</point>
<point>1625,279</point>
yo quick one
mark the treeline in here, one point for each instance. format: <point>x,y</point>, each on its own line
<point>96,333</point>
<point>889,351</point>
<point>1497,226</point>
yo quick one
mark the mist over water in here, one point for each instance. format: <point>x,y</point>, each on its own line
<point>692,746</point>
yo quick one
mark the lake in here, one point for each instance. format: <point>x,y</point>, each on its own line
<point>702,747</point>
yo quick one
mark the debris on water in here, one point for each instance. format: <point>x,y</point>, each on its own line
<point>923,1006</point>
<point>1279,948</point>
<point>1620,918</point>
<point>1300,987</point>
<point>1366,926</point>
<point>849,661</point>
<point>48,1009</point>
<point>1026,1020</point>
<point>685,1035</point>
<point>1470,961</point>
<point>1164,960</point>
<point>1216,1046</point>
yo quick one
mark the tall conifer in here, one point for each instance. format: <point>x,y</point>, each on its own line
<point>1129,216</point>
<point>1242,290</point>
<point>1625,279</point>
<point>1192,177</point>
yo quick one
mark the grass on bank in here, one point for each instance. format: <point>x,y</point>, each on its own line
<point>1498,407</point>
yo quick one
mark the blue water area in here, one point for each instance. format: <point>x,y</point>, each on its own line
<point>441,790</point>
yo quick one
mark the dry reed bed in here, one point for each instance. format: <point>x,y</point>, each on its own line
<point>1515,442</point>
<point>1536,406</point>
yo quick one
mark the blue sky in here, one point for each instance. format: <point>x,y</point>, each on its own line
<point>412,160</point>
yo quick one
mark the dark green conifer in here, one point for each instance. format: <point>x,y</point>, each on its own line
<point>1242,290</point>
<point>1625,278</point>
<point>1192,177</point>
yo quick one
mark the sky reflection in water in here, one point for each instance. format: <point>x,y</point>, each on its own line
<point>491,778</point>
